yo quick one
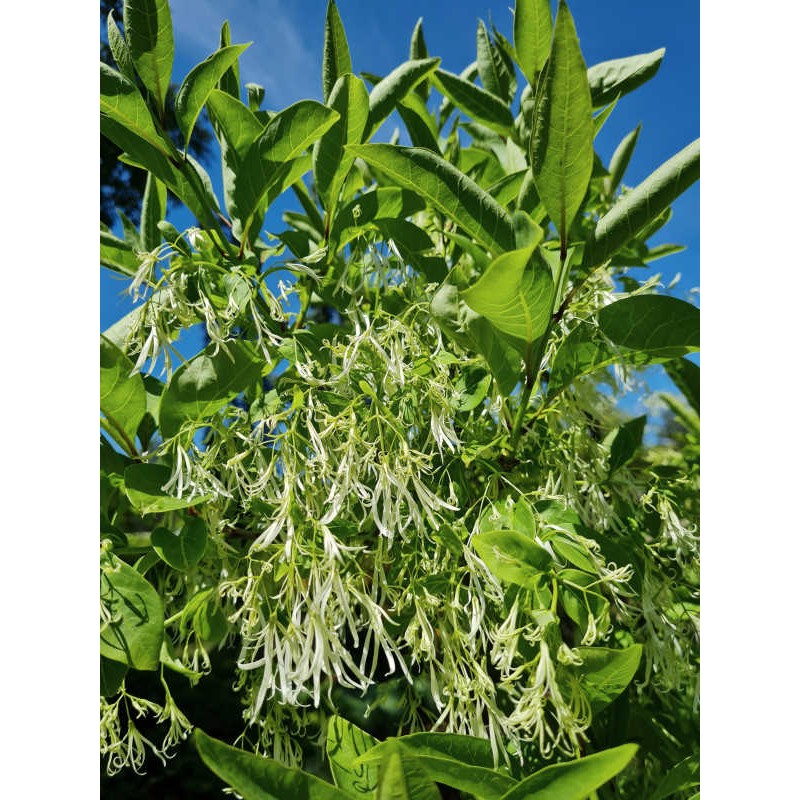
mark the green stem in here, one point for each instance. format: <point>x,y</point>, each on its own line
<point>118,432</point>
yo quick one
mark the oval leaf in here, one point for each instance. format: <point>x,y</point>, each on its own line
<point>446,189</point>
<point>387,93</point>
<point>257,778</point>
<point>605,673</point>
<point>640,206</point>
<point>197,86</point>
<point>345,743</point>
<point>123,399</point>
<point>184,548</point>
<point>574,780</point>
<point>514,295</point>
<point>622,75</point>
<point>533,29</point>
<point>206,384</point>
<point>562,150</point>
<point>148,31</point>
<point>143,484</point>
<point>480,105</point>
<point>136,627</point>
<point>513,557</point>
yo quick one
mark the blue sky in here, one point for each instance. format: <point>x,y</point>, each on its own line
<point>285,58</point>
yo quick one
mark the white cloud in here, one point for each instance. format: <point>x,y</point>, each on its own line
<point>279,59</point>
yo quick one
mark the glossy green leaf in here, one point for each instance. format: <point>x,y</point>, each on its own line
<point>646,329</point>
<point>148,31</point>
<point>335,52</point>
<point>599,119</point>
<point>206,384</point>
<point>154,209</point>
<point>119,48</point>
<point>121,103</point>
<point>686,376</point>
<point>132,635</point>
<point>642,205</point>
<point>444,187</point>
<point>605,673</point>
<point>387,93</point>
<point>562,151</point>
<point>112,674</point>
<point>117,254</point>
<point>620,160</point>
<point>574,780</point>
<point>657,324</point>
<point>533,30</point>
<point>465,763</point>
<point>472,386</point>
<point>122,396</point>
<point>418,123</point>
<point>469,329</point>
<point>515,295</point>
<point>622,75</point>
<point>625,441</point>
<point>345,743</point>
<point>479,104</point>
<point>255,777</point>
<point>144,487</point>
<point>513,557</point>
<point>419,50</point>
<point>199,83</point>
<point>330,163</point>
<point>402,777</point>
<point>184,548</point>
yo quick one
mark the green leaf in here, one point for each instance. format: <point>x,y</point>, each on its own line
<point>605,673</point>
<point>387,93</point>
<point>472,386</point>
<point>143,485</point>
<point>446,188</point>
<point>622,75</point>
<point>686,376</point>
<point>574,780</point>
<point>600,119</point>
<point>684,775</point>
<point>419,50</point>
<point>229,82</point>
<point>119,48</point>
<point>184,548</point>
<point>134,632</point>
<point>199,83</point>
<point>345,743</point>
<point>117,254</point>
<point>646,329</point>
<point>513,557</point>
<point>148,30</point>
<point>463,762</point>
<point>335,52</point>
<point>515,295</point>
<point>654,323</point>
<point>625,441</point>
<point>112,673</point>
<point>121,102</point>
<point>402,777</point>
<point>470,330</point>
<point>636,208</point>
<point>562,151</point>
<point>123,400</point>
<point>480,105</point>
<point>330,163</point>
<point>154,209</point>
<point>255,777</point>
<point>620,160</point>
<point>418,124</point>
<point>533,30</point>
<point>206,384</point>
<point>490,67</point>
